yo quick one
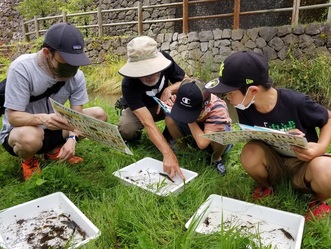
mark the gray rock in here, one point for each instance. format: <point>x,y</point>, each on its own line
<point>267,33</point>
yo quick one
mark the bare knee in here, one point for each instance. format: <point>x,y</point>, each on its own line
<point>26,139</point>
<point>318,174</point>
<point>96,112</point>
<point>251,156</point>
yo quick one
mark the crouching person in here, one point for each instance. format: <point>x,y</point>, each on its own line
<point>196,112</point>
<point>32,127</point>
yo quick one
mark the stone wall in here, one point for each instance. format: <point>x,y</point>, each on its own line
<point>131,15</point>
<point>208,46</point>
<point>11,21</point>
<point>11,28</point>
<point>207,49</point>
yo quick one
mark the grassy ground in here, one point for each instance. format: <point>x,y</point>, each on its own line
<point>130,217</point>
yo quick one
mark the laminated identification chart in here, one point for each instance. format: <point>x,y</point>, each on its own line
<point>92,128</point>
<point>280,141</point>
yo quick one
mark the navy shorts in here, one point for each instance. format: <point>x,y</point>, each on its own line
<point>52,139</point>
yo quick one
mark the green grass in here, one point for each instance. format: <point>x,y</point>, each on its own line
<point>307,75</point>
<point>130,217</point>
<point>104,78</point>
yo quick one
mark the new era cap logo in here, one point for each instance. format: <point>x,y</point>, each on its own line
<point>76,47</point>
<point>221,69</point>
<point>248,81</point>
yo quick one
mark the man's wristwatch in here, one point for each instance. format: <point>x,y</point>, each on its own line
<point>75,138</point>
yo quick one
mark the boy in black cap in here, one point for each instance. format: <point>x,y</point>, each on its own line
<point>244,78</point>
<point>32,127</point>
<point>197,112</point>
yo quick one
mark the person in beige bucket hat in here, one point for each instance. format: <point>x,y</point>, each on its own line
<point>149,73</point>
<point>143,58</point>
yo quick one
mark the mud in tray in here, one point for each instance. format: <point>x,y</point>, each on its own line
<point>148,174</point>
<point>52,221</point>
<point>266,226</point>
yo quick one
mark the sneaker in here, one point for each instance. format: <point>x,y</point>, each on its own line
<point>54,156</point>
<point>220,166</point>
<point>317,209</point>
<point>262,192</point>
<point>29,167</point>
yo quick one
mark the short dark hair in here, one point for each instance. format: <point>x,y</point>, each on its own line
<point>266,86</point>
<point>51,50</point>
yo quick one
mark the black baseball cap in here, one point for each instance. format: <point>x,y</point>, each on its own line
<point>191,98</point>
<point>240,69</point>
<point>68,41</point>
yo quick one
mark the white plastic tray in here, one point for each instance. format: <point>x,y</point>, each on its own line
<point>266,225</point>
<point>146,174</point>
<point>25,226</point>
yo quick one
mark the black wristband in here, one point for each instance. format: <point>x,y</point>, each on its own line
<point>75,138</point>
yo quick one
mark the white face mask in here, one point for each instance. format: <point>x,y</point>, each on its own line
<point>241,105</point>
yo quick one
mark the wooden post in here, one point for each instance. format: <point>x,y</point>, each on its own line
<point>64,17</point>
<point>36,24</point>
<point>25,30</point>
<point>236,14</point>
<point>185,16</point>
<point>140,19</point>
<point>100,22</point>
<point>329,14</point>
<point>295,12</point>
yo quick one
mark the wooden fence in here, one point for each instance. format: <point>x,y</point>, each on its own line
<point>185,19</point>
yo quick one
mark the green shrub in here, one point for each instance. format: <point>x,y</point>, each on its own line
<point>306,75</point>
<point>104,78</point>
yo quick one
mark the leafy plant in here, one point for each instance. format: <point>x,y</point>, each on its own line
<point>104,78</point>
<point>30,8</point>
<point>306,75</point>
<point>4,64</point>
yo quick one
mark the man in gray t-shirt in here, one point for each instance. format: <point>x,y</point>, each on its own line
<point>31,128</point>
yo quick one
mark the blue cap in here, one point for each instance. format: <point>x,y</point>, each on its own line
<point>68,41</point>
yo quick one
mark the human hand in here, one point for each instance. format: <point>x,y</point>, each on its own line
<point>314,150</point>
<point>55,122</point>
<point>296,132</point>
<point>171,167</point>
<point>168,97</point>
<point>68,150</point>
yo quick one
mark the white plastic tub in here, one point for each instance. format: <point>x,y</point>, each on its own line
<point>52,220</point>
<point>146,174</point>
<point>273,227</point>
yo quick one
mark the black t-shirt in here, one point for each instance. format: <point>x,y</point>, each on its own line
<point>137,95</point>
<point>293,110</point>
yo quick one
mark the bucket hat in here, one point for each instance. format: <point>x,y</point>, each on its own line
<point>143,58</point>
